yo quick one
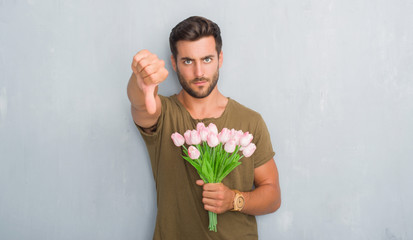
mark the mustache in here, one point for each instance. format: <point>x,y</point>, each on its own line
<point>195,80</point>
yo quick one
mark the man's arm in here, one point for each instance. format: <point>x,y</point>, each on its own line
<point>148,72</point>
<point>265,198</point>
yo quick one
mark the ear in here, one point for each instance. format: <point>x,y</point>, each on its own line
<point>173,62</point>
<point>221,58</point>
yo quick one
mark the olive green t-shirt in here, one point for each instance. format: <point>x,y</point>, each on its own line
<point>181,214</point>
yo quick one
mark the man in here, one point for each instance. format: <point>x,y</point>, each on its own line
<point>182,199</point>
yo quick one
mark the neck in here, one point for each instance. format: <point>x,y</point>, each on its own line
<point>211,106</point>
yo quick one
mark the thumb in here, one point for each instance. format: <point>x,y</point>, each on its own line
<point>199,182</point>
<point>150,102</point>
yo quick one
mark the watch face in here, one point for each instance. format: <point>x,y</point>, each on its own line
<point>240,202</point>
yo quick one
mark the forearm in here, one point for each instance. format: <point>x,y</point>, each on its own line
<point>135,94</point>
<point>266,197</point>
<point>262,200</point>
<point>138,106</point>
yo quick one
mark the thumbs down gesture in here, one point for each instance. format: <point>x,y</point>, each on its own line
<point>150,71</point>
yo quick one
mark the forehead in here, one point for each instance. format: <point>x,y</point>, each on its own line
<point>196,49</point>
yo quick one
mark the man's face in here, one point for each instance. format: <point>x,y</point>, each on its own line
<point>197,65</point>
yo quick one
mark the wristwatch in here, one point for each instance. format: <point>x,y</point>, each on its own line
<point>239,201</point>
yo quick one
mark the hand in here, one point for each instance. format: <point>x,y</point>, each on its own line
<point>149,71</point>
<point>217,197</point>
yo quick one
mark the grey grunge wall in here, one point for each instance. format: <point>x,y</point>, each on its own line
<point>333,80</point>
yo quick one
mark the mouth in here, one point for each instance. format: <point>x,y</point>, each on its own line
<point>200,82</point>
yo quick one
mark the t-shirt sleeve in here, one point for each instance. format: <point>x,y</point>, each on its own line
<point>262,140</point>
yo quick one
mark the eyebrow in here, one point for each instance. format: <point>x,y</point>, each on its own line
<point>186,58</point>
<point>191,59</point>
<point>209,56</point>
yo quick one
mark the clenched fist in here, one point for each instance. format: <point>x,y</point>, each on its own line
<point>216,197</point>
<point>149,71</point>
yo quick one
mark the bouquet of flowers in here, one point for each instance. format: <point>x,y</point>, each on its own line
<point>214,155</point>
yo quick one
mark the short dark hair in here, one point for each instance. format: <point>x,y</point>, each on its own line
<point>192,29</point>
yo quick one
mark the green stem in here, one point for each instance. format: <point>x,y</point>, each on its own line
<point>212,221</point>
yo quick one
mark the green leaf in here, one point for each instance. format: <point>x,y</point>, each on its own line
<point>209,170</point>
<point>193,163</point>
<point>206,156</point>
<point>200,150</point>
<point>203,177</point>
<point>228,169</point>
<point>214,164</point>
<point>204,170</point>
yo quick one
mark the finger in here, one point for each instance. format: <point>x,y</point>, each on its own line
<point>150,101</point>
<point>142,59</point>
<point>146,61</point>
<point>213,187</point>
<point>212,207</point>
<point>140,55</point>
<point>200,182</point>
<point>213,195</point>
<point>157,77</point>
<point>211,202</point>
<point>152,68</point>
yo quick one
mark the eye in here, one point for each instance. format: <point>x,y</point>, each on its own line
<point>187,61</point>
<point>208,60</point>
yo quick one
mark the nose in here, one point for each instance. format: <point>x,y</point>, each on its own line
<point>199,70</point>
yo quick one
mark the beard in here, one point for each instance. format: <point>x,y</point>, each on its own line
<point>201,93</point>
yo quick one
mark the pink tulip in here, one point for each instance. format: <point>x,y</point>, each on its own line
<point>204,134</point>
<point>230,146</point>
<point>245,139</point>
<point>200,126</point>
<point>236,135</point>
<point>212,140</point>
<point>178,139</point>
<point>249,150</point>
<point>213,128</point>
<point>187,136</point>
<point>195,137</point>
<point>193,152</point>
<point>224,135</point>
